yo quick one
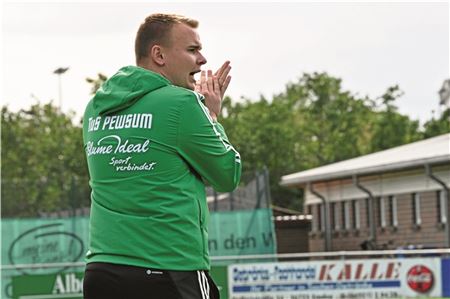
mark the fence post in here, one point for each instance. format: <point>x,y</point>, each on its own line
<point>267,186</point>
<point>258,195</point>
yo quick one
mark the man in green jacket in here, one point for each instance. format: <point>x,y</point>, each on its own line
<point>152,140</point>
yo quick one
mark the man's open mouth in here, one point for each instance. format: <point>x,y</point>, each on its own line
<point>194,72</point>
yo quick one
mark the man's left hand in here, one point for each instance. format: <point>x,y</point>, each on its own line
<point>209,87</point>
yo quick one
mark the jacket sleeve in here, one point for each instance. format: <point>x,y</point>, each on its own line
<point>205,146</point>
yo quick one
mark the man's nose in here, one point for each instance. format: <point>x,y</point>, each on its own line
<point>202,60</point>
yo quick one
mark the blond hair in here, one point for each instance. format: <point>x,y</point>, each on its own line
<point>156,30</point>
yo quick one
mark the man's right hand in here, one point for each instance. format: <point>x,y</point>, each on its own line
<point>223,77</point>
<point>213,88</point>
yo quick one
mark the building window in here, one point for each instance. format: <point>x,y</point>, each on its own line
<point>368,212</point>
<point>415,199</point>
<point>335,212</point>
<point>393,221</point>
<point>345,211</point>
<point>315,213</point>
<point>440,202</point>
<point>355,214</point>
<point>332,216</point>
<point>381,212</point>
<point>309,209</point>
<point>320,218</point>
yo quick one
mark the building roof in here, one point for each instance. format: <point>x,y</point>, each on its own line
<point>280,211</point>
<point>431,151</point>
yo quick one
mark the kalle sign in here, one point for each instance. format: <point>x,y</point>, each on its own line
<point>363,279</point>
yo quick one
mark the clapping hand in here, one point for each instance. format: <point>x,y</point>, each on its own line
<point>223,77</point>
<point>213,88</point>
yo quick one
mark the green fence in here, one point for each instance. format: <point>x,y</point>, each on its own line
<point>65,240</point>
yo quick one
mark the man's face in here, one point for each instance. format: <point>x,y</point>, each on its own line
<point>182,56</point>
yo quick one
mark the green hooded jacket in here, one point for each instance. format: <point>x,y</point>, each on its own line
<point>150,145</point>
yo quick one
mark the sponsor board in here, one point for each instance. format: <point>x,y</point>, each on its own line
<point>48,241</point>
<point>352,279</point>
<point>51,286</point>
<point>69,285</point>
<point>445,277</point>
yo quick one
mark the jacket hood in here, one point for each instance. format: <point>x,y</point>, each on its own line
<point>125,88</point>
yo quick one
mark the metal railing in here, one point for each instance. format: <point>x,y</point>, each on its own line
<point>338,254</point>
<point>281,256</point>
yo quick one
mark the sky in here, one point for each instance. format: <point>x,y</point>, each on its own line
<point>369,45</point>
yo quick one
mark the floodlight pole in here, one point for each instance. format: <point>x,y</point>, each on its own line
<point>59,72</point>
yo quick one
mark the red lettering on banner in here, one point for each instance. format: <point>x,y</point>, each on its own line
<point>359,269</point>
<point>393,270</point>
<point>373,273</point>
<point>325,272</point>
<point>346,272</point>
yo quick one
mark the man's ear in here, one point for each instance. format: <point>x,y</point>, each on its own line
<point>157,55</point>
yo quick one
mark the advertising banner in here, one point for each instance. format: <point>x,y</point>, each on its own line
<point>220,276</point>
<point>51,286</point>
<point>41,241</point>
<point>69,285</point>
<point>241,233</point>
<point>47,241</point>
<point>445,277</point>
<point>352,279</point>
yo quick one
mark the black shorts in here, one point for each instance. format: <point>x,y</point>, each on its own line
<point>111,281</point>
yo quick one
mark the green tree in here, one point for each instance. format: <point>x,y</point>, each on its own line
<point>43,164</point>
<point>390,128</point>
<point>313,122</point>
<point>437,126</point>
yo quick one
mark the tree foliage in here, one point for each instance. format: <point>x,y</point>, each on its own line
<point>437,126</point>
<point>314,122</point>
<point>43,164</point>
<point>391,128</point>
